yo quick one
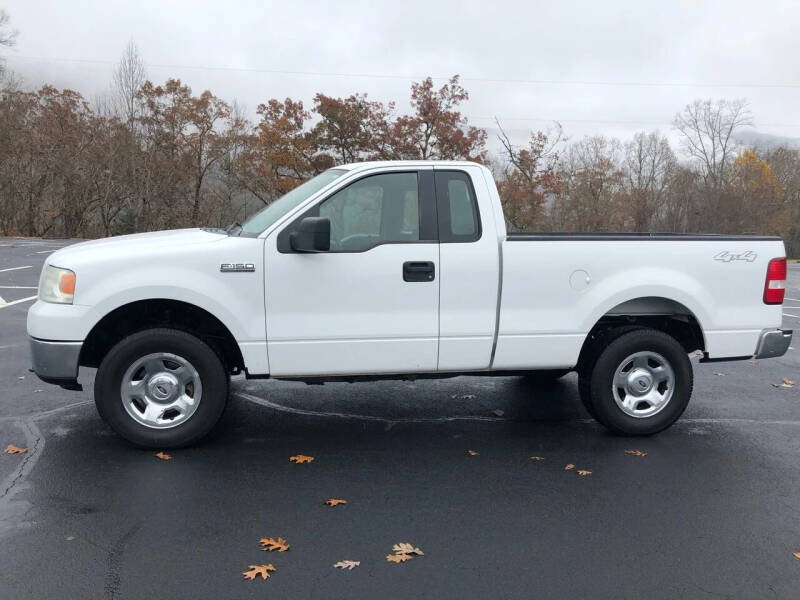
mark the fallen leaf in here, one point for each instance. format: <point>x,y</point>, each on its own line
<point>163,456</point>
<point>498,413</point>
<point>787,381</point>
<point>796,554</point>
<point>347,564</point>
<point>21,377</point>
<point>753,362</point>
<point>270,544</point>
<point>463,397</point>
<point>398,558</point>
<point>406,548</point>
<point>537,457</point>
<point>37,391</point>
<point>256,570</point>
<point>12,449</point>
<point>583,472</point>
<point>569,467</point>
<point>636,452</point>
<point>301,458</point>
<point>718,374</point>
<point>335,501</point>
<point>472,453</point>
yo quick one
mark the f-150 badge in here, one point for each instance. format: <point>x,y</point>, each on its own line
<point>726,256</point>
<point>237,267</point>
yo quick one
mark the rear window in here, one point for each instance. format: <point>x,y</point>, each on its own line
<point>458,209</point>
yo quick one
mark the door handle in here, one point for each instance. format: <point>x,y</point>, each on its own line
<point>419,271</point>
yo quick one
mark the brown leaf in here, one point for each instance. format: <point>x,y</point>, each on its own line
<point>398,558</point>
<point>569,467</point>
<point>753,362</point>
<point>270,544</point>
<point>301,458</point>
<point>347,564</point>
<point>335,501</point>
<point>12,449</point>
<point>163,456</point>
<point>636,452</point>
<point>583,472</point>
<point>796,554</point>
<point>472,453</point>
<point>256,570</point>
<point>406,548</point>
<point>537,457</point>
<point>787,381</point>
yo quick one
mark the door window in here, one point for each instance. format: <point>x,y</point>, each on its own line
<point>458,210</point>
<point>373,210</point>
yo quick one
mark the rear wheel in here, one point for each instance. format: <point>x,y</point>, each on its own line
<point>161,388</point>
<point>639,384</point>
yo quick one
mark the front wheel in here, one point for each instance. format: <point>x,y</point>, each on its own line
<point>640,383</point>
<point>161,388</point>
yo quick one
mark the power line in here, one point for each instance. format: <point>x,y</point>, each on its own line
<point>579,82</point>
<point>608,121</point>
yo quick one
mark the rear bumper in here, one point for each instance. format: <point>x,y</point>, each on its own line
<point>773,342</point>
<point>56,362</point>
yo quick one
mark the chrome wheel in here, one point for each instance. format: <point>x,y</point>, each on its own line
<point>161,390</point>
<point>643,384</point>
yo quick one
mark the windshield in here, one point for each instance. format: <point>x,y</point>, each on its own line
<point>274,211</point>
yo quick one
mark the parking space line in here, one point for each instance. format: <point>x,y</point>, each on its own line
<point>7,304</point>
<point>14,269</point>
<point>45,251</point>
<point>18,287</point>
<point>788,315</point>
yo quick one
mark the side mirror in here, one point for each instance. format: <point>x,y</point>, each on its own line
<point>313,235</point>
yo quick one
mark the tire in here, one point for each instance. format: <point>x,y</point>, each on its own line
<point>176,388</point>
<point>638,384</point>
<point>548,375</point>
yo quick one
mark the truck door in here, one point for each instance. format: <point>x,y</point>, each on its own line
<point>371,303</point>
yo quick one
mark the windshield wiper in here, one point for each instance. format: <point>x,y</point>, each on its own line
<point>235,225</point>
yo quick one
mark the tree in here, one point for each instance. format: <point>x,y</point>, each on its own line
<point>8,37</point>
<point>707,128</point>
<point>128,78</point>
<point>754,202</point>
<point>529,178</point>
<point>649,162</point>
<point>436,129</point>
<point>351,128</point>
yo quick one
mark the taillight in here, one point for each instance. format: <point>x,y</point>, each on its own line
<point>775,286</point>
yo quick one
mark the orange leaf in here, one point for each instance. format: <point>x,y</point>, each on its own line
<point>335,501</point>
<point>12,449</point>
<point>163,456</point>
<point>270,544</point>
<point>301,458</point>
<point>472,453</point>
<point>347,564</point>
<point>636,452</point>
<point>398,558</point>
<point>569,467</point>
<point>796,554</point>
<point>256,570</point>
<point>583,472</point>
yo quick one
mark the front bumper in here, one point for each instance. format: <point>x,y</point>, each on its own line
<point>55,361</point>
<point>773,342</point>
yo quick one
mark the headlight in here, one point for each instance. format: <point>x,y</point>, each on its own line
<point>56,285</point>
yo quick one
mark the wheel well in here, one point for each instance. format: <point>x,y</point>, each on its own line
<point>662,314</point>
<point>146,314</point>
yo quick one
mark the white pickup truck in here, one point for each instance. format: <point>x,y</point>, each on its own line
<point>394,270</point>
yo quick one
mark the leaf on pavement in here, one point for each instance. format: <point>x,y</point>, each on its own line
<point>37,391</point>
<point>347,564</point>
<point>256,570</point>
<point>498,413</point>
<point>796,554</point>
<point>163,456</point>
<point>537,457</point>
<point>301,458</point>
<point>406,548</point>
<point>270,544</point>
<point>335,501</point>
<point>718,374</point>
<point>569,467</point>
<point>12,449</point>
<point>398,558</point>
<point>583,472</point>
<point>472,453</point>
<point>636,452</point>
<point>753,362</point>
<point>785,383</point>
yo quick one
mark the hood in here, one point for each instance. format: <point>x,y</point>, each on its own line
<point>125,246</point>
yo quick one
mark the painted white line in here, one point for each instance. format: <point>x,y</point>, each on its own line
<point>18,287</point>
<point>788,315</point>
<point>793,299</point>
<point>2,302</point>
<point>7,304</point>
<point>14,269</point>
<point>45,251</point>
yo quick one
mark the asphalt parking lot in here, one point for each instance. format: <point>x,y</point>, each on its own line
<point>711,511</point>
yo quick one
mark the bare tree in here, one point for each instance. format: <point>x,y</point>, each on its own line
<point>648,163</point>
<point>708,129</point>
<point>8,38</point>
<point>128,79</point>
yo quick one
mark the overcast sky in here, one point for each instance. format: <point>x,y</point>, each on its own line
<point>610,66</point>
